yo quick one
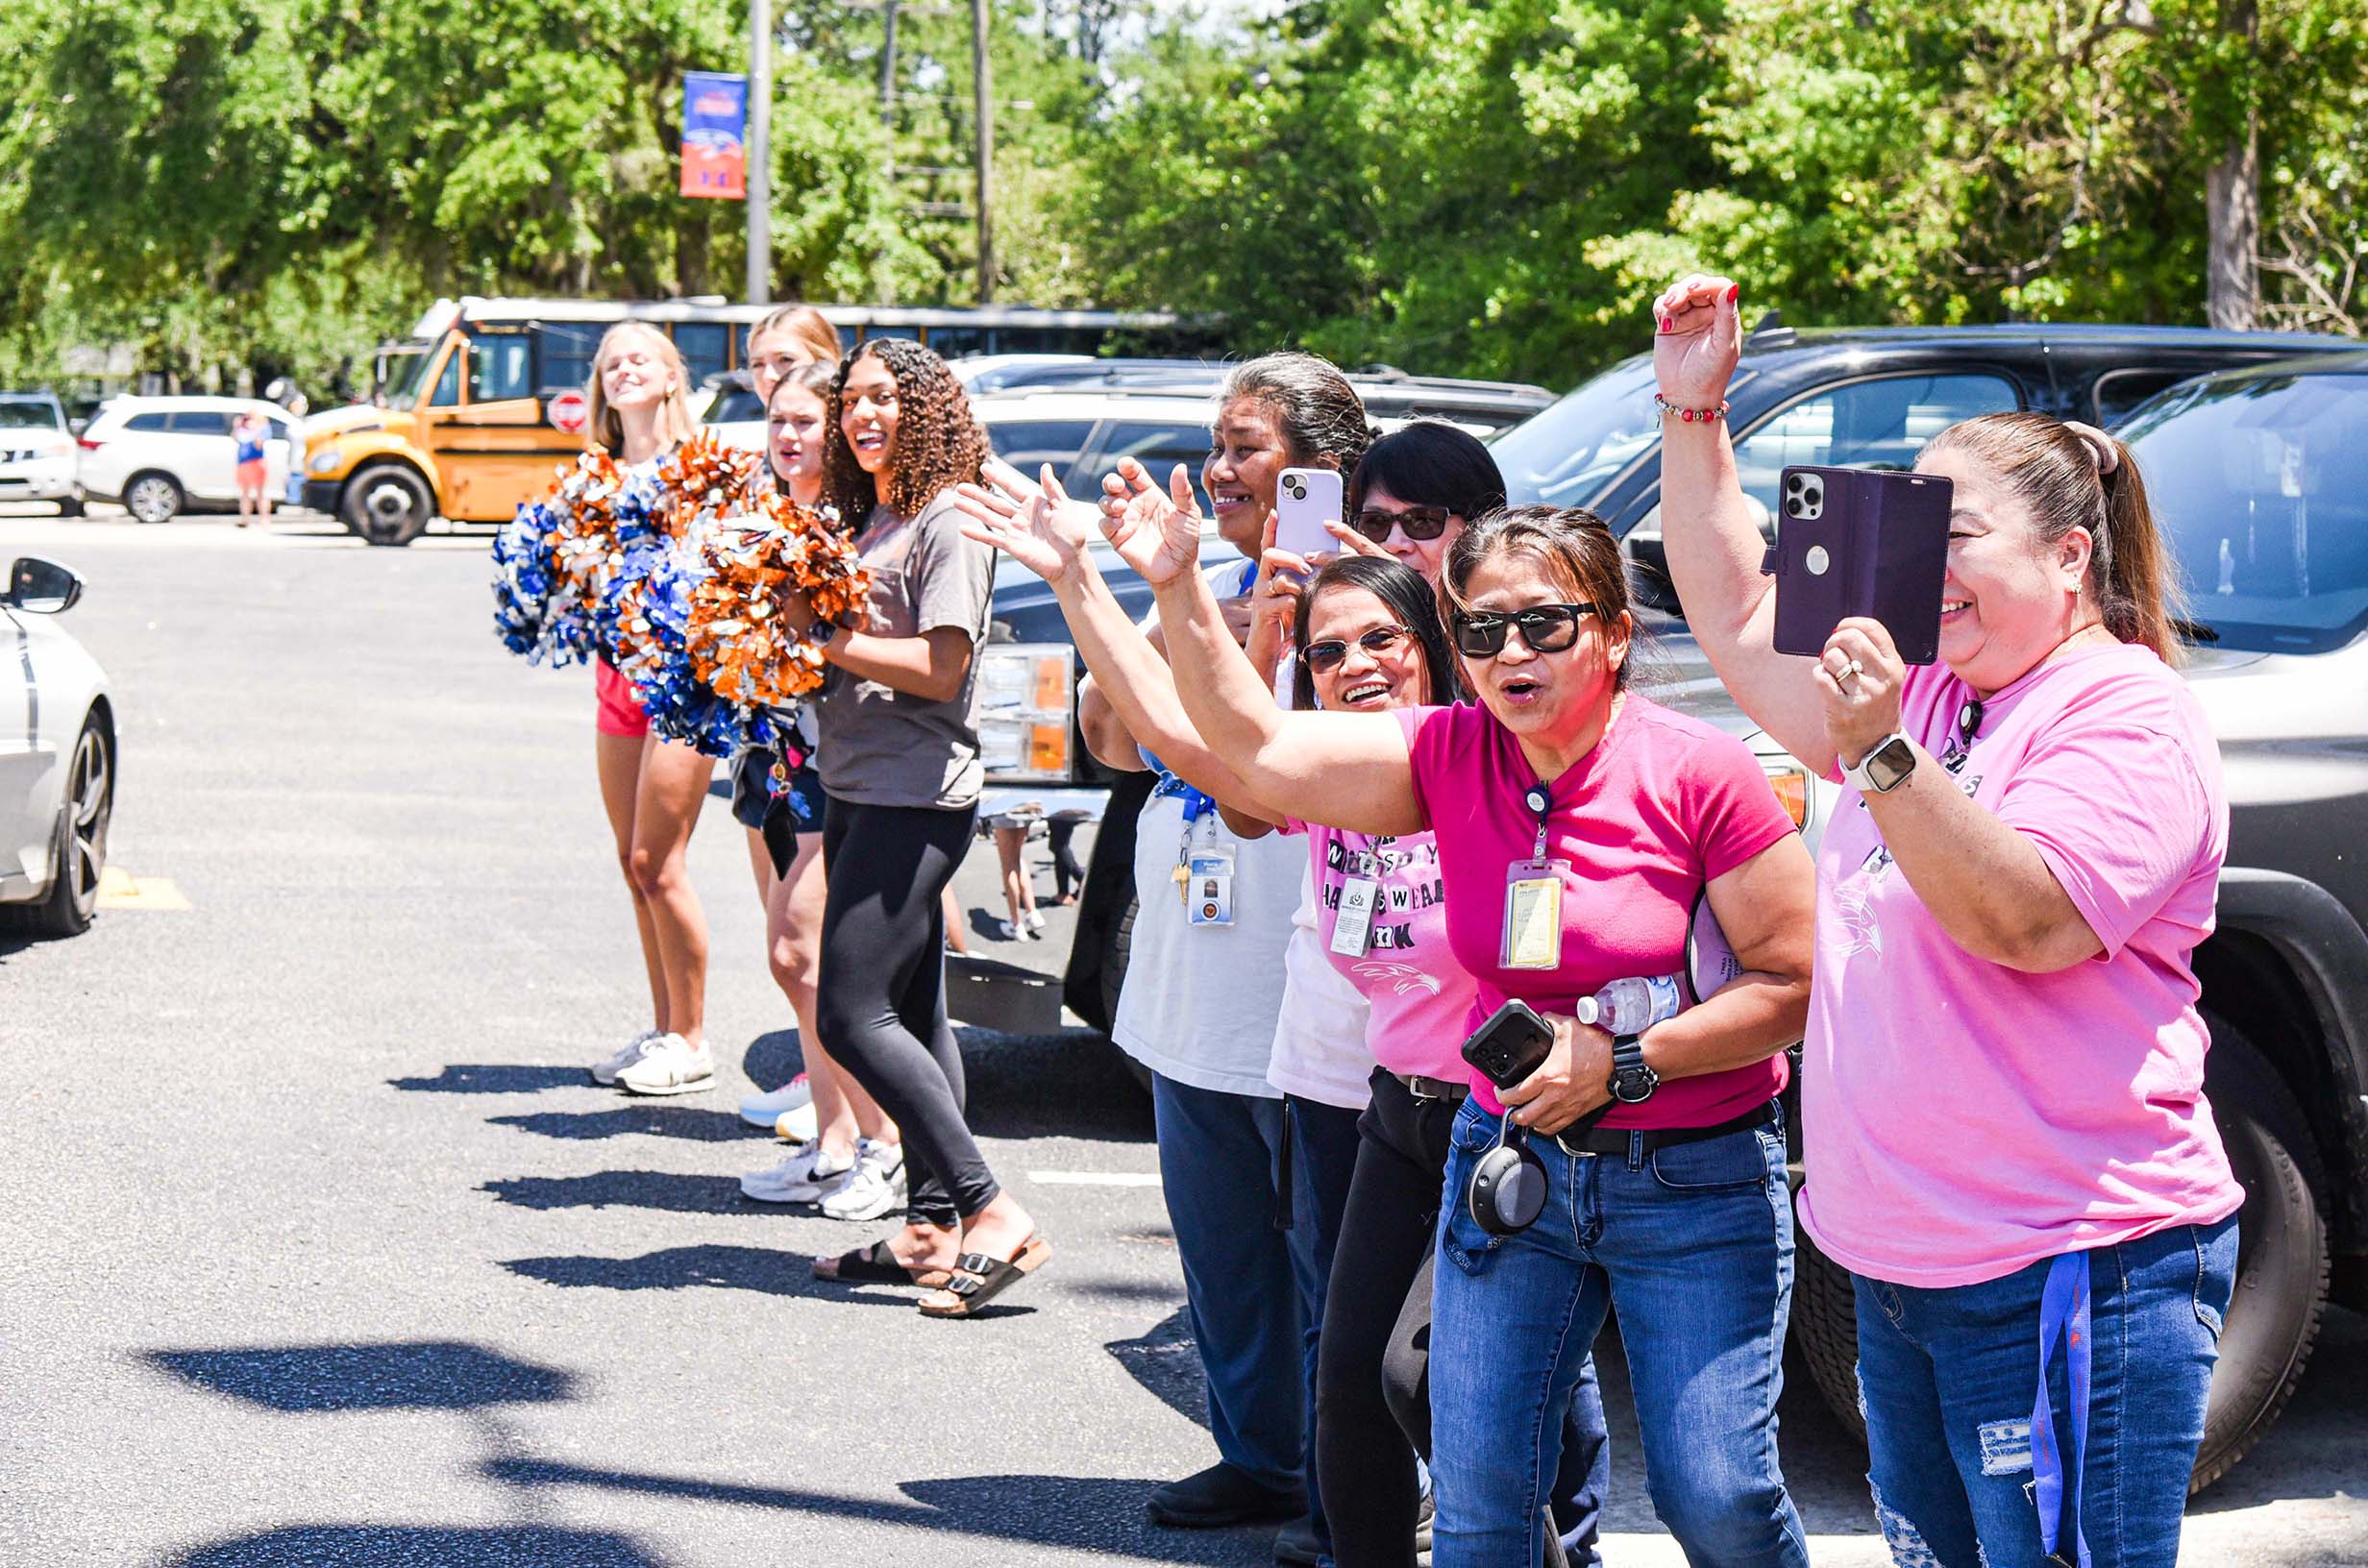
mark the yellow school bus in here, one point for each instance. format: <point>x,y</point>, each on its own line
<point>465,427</point>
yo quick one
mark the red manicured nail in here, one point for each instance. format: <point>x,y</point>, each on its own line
<point>1734,292</point>
<point>1665,324</point>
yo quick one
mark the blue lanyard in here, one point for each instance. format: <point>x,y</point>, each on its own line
<point>2063,1310</point>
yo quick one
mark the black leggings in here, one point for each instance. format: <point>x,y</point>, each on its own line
<point>882,992</point>
<point>1373,1370</point>
<point>1067,874</point>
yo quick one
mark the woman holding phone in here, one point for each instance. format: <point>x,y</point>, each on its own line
<point>2009,904</point>
<point>1672,1203</point>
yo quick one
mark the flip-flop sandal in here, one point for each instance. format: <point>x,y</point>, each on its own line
<point>877,1265</point>
<point>979,1278</point>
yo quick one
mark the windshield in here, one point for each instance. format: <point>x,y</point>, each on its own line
<point>25,414</point>
<point>2260,487</point>
<point>405,367</point>
<point>1567,453</point>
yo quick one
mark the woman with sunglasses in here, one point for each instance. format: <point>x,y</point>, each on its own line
<point>1576,823</point>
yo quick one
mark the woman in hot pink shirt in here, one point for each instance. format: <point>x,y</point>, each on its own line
<point>1674,1205</point>
<point>2002,1098</point>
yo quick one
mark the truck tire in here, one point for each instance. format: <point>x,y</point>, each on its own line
<point>2282,1270</point>
<point>1118,941</point>
<point>387,504</point>
<point>2282,1256</point>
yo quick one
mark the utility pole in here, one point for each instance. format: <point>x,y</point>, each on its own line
<point>888,81</point>
<point>982,88</point>
<point>760,151</point>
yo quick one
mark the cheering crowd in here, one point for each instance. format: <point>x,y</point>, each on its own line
<point>1406,783</point>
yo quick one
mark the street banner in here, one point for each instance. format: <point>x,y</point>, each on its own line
<point>715,117</point>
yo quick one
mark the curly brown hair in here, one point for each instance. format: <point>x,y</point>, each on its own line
<point>938,441</point>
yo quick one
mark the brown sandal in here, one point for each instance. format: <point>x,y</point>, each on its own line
<point>878,1265</point>
<point>979,1278</point>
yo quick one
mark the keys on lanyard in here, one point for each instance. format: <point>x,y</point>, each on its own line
<point>1533,932</point>
<point>1203,874</point>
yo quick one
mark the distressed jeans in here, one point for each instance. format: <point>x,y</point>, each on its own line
<point>1948,1379</point>
<point>1693,1245</point>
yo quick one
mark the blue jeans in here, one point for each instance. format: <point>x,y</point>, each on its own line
<point>1948,1378</point>
<point>1247,1280</point>
<point>1693,1245</point>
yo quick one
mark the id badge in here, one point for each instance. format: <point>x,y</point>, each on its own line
<point>1533,916</point>
<point>1352,927</point>
<point>1208,886</point>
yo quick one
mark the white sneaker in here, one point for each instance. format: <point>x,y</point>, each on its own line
<point>1035,922</point>
<point>876,1187</point>
<point>605,1072</point>
<point>766,1109</point>
<point>810,1173</point>
<point>671,1065</point>
<point>1006,930</point>
<point>797,1126</point>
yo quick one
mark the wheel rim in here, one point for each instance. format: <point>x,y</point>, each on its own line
<point>151,500</point>
<point>89,787</point>
<point>386,506</point>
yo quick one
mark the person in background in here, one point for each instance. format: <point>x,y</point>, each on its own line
<point>1068,874</point>
<point>2005,1130</point>
<point>899,753</point>
<point>840,1116</point>
<point>250,432</point>
<point>1018,891</point>
<point>654,790</point>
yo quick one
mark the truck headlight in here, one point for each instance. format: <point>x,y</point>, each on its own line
<point>322,462</point>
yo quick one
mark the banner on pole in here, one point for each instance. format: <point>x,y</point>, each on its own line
<point>715,117</point>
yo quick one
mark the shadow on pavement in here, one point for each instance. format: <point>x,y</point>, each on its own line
<point>491,1078</point>
<point>681,1121</point>
<point>415,1375</point>
<point>767,1270</point>
<point>1165,1361</point>
<point>422,1546</point>
<point>666,1190</point>
<point>1071,1085</point>
<point>773,1058</point>
<point>1090,1513</point>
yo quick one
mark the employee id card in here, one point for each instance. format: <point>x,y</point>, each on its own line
<point>1533,915</point>
<point>1208,885</point>
<point>1352,927</point>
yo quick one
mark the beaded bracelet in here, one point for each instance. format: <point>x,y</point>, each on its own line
<point>1690,415</point>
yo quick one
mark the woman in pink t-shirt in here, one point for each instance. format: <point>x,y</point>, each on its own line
<point>1601,817</point>
<point>2006,1135</point>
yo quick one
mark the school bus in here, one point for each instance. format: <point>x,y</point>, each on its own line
<point>485,399</point>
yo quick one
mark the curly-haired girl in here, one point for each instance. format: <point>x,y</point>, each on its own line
<point>898,751</point>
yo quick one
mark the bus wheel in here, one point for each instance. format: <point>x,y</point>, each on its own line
<point>389,504</point>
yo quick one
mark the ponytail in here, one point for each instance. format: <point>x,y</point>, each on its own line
<point>2133,575</point>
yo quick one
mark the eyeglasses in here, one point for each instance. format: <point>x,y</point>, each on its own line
<point>1419,521</point>
<point>1547,629</point>
<point>1323,658</point>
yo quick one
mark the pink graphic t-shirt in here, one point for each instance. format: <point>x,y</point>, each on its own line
<point>1962,1120</point>
<point>1662,806</point>
<point>1418,995</point>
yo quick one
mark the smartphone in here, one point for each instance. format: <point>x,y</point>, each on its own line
<point>1305,499</point>
<point>1860,542</point>
<point>1514,1044</point>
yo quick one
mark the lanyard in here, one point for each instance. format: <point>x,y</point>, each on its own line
<point>1540,800</point>
<point>2063,1309</point>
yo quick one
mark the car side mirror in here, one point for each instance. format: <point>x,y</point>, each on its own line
<point>40,587</point>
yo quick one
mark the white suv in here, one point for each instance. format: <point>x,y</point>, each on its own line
<point>37,451</point>
<point>158,455</point>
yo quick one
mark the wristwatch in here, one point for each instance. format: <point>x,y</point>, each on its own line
<point>1632,1082</point>
<point>1884,768</point>
<point>822,631</point>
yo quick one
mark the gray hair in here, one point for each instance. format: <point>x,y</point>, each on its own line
<point>1319,413</point>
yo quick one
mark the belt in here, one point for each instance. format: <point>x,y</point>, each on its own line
<point>1622,1139</point>
<point>1433,1088</point>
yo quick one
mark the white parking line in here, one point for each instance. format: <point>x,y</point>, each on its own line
<point>1094,1178</point>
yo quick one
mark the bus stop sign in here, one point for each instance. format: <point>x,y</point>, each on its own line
<point>569,413</point>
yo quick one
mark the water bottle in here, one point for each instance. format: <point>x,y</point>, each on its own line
<point>1630,1007</point>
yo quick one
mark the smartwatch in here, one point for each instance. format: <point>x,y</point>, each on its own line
<point>1632,1082</point>
<point>822,631</point>
<point>1884,768</point>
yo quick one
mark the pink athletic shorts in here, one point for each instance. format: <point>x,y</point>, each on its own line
<point>619,713</point>
<point>252,475</point>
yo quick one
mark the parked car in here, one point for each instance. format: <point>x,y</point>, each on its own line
<point>38,452</point>
<point>57,753</point>
<point>161,456</point>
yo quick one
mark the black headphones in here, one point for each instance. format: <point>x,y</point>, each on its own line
<point>1507,1190</point>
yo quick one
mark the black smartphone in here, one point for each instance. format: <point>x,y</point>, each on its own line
<point>1511,1045</point>
<point>1862,542</point>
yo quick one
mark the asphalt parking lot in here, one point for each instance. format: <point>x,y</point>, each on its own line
<point>323,1249</point>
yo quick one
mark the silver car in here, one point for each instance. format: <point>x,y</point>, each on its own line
<point>57,753</point>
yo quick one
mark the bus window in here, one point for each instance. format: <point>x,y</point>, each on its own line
<point>705,347</point>
<point>849,337</point>
<point>953,342</point>
<point>876,329</point>
<point>501,367</point>
<point>566,349</point>
<point>448,385</point>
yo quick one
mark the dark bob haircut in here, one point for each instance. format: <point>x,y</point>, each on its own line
<point>1406,595</point>
<point>1430,464</point>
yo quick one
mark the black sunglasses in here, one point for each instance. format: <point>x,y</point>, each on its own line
<point>1323,658</point>
<point>1419,521</point>
<point>1547,629</point>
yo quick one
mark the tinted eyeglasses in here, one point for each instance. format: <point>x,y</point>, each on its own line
<point>1419,521</point>
<point>1547,629</point>
<point>1323,658</point>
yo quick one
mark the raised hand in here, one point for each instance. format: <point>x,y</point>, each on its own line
<point>1156,532</point>
<point>1697,336</point>
<point>1035,524</point>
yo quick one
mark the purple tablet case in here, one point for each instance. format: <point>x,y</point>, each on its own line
<point>1862,542</point>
